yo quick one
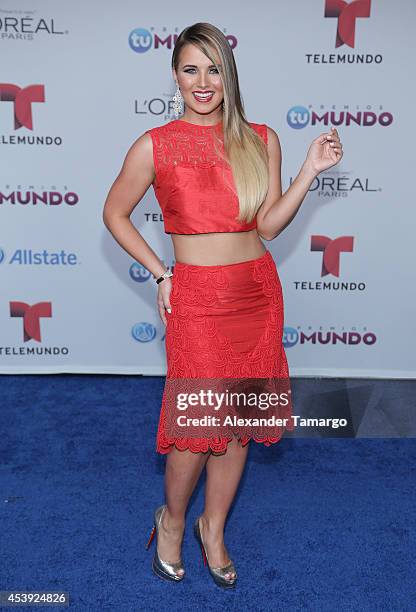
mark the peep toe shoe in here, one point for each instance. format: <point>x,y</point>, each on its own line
<point>163,569</point>
<point>218,573</point>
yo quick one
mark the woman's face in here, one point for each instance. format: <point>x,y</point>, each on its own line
<point>195,76</point>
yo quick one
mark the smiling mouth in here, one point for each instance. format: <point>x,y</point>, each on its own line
<point>203,96</point>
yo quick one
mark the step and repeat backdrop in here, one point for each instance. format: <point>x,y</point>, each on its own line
<point>81,81</point>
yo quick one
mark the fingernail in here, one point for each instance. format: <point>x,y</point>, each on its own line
<point>169,310</point>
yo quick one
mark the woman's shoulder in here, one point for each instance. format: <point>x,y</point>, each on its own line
<point>261,129</point>
<point>265,131</point>
<point>255,124</point>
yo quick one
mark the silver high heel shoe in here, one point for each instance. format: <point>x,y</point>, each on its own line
<point>218,573</point>
<point>163,569</point>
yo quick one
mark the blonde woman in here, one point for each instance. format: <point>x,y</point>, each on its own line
<point>217,179</point>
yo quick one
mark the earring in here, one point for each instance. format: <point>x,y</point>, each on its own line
<point>178,102</point>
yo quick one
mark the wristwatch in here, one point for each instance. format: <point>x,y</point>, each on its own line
<point>166,274</point>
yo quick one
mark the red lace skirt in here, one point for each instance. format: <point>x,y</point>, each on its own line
<point>226,321</point>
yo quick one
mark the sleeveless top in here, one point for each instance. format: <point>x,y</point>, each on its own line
<point>193,185</point>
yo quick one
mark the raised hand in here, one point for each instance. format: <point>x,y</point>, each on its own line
<point>324,152</point>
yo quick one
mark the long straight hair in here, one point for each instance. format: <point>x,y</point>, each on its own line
<point>245,150</point>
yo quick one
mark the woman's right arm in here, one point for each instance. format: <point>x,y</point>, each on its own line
<point>134,179</point>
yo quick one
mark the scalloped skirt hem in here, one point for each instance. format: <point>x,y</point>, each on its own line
<point>204,445</point>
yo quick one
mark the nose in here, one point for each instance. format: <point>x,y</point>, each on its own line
<point>203,80</point>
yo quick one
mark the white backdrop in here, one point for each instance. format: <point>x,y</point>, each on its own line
<point>81,81</point>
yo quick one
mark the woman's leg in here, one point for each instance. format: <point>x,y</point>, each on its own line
<point>183,469</point>
<point>223,477</point>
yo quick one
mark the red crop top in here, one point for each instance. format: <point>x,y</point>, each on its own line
<point>193,185</point>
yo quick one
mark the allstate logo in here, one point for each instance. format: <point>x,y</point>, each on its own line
<point>139,273</point>
<point>298,117</point>
<point>140,40</point>
<point>290,337</point>
<point>143,332</point>
<point>1,256</point>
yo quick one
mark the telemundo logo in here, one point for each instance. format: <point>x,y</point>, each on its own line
<point>143,331</point>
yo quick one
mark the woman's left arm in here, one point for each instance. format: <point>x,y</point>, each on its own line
<point>278,210</point>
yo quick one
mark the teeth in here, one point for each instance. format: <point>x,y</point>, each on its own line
<point>203,95</point>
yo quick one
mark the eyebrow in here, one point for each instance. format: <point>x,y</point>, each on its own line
<point>193,66</point>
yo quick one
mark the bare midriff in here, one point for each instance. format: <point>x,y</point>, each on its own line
<point>217,248</point>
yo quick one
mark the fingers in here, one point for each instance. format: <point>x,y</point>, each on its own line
<point>164,307</point>
<point>333,139</point>
<point>336,145</point>
<point>332,135</point>
<point>162,314</point>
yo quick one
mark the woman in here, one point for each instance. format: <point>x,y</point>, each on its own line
<point>217,179</point>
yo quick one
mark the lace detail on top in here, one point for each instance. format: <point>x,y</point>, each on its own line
<point>193,184</point>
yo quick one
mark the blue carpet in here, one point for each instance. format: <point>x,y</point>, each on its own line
<point>317,524</point>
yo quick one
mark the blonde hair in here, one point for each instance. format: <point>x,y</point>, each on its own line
<point>245,150</point>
